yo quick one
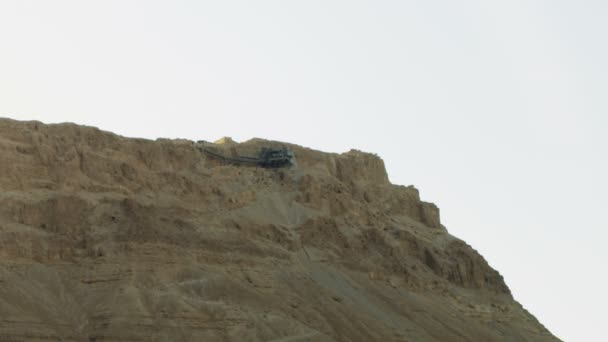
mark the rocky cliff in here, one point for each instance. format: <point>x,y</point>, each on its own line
<point>105,238</point>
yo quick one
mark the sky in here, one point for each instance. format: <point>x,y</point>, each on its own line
<point>496,110</point>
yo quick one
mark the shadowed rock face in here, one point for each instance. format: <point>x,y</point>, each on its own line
<point>104,238</point>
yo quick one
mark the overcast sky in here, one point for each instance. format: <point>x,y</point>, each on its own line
<point>496,110</point>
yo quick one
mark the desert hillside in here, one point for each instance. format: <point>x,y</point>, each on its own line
<point>106,238</point>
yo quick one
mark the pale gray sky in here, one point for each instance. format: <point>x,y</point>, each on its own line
<point>496,110</point>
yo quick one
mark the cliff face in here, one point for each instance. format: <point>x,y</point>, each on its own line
<point>104,238</point>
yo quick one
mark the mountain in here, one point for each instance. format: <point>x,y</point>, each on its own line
<point>107,238</point>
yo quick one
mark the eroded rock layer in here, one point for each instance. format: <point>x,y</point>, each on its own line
<point>104,238</point>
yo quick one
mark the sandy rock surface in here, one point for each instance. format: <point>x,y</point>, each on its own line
<point>105,238</point>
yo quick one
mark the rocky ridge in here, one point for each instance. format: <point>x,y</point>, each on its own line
<point>106,238</point>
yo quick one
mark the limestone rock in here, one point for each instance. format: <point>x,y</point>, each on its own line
<point>104,238</point>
